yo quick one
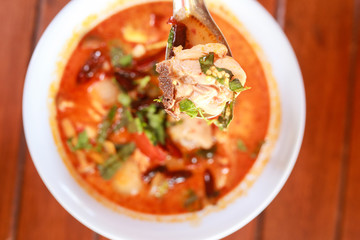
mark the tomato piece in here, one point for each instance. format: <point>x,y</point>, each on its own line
<point>155,153</point>
<point>172,149</point>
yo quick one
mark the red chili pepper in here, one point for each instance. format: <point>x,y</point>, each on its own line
<point>155,153</point>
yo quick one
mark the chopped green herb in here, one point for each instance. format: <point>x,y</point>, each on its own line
<point>82,142</point>
<point>170,41</point>
<point>159,100</point>
<point>129,122</point>
<point>114,162</point>
<point>150,120</point>
<point>105,125</point>
<point>109,167</point>
<point>188,107</point>
<point>125,150</point>
<point>118,58</point>
<point>226,116</point>
<point>153,120</point>
<point>111,113</point>
<point>222,79</point>
<point>124,99</point>
<point>125,60</point>
<point>142,82</point>
<point>241,145</point>
<point>70,144</point>
<point>154,72</point>
<point>226,70</point>
<point>192,201</point>
<point>236,86</point>
<point>256,151</point>
<point>206,62</point>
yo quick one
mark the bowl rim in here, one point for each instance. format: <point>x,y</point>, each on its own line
<point>254,6</point>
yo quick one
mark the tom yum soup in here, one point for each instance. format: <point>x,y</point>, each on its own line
<point>125,146</point>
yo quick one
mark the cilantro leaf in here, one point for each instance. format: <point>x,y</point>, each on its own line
<point>188,107</point>
<point>83,142</point>
<point>241,145</point>
<point>124,99</point>
<point>142,82</point>
<point>118,58</point>
<point>109,167</point>
<point>192,201</point>
<point>153,120</point>
<point>125,150</point>
<point>257,149</point>
<point>105,125</point>
<point>125,60</point>
<point>159,100</point>
<point>170,41</point>
<point>114,162</point>
<point>206,62</point>
<point>226,116</point>
<point>236,86</point>
<point>226,70</point>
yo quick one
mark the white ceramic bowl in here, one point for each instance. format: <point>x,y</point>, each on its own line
<point>42,72</point>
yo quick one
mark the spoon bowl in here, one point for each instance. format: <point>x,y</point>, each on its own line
<point>200,26</point>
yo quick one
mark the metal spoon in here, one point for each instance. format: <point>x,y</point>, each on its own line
<point>201,28</point>
<point>193,25</point>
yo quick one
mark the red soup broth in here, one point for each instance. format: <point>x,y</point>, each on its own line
<point>187,180</point>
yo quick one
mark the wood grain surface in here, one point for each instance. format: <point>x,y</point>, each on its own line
<point>321,199</point>
<point>308,207</point>
<point>17,26</point>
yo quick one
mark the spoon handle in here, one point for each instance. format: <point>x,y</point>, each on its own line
<point>188,6</point>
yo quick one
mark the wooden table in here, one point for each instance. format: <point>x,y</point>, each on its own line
<point>321,199</point>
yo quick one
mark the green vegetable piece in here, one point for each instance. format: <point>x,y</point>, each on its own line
<point>125,61</point>
<point>188,107</point>
<point>222,80</point>
<point>70,145</point>
<point>109,167</point>
<point>111,113</point>
<point>118,58</point>
<point>226,70</point>
<point>138,125</point>
<point>159,100</point>
<point>170,41</point>
<point>154,127</point>
<point>125,150</point>
<point>150,120</point>
<point>241,145</point>
<point>142,82</point>
<point>124,99</point>
<point>154,72</point>
<point>129,122</point>
<point>83,141</point>
<point>106,124</point>
<point>236,86</point>
<point>257,149</point>
<point>206,62</point>
<point>192,201</point>
<point>226,116</point>
<point>113,163</point>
